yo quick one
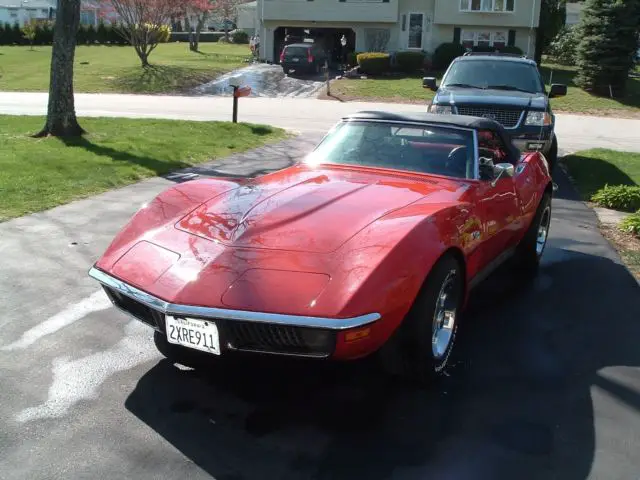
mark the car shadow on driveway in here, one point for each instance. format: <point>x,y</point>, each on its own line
<point>533,360</point>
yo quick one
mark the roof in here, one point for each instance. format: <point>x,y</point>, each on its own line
<point>499,58</point>
<point>463,121</point>
<point>460,121</point>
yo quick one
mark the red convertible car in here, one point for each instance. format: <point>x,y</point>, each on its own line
<point>369,245</point>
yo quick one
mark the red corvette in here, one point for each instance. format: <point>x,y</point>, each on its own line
<point>370,245</point>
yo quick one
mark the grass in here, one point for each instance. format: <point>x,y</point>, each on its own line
<point>408,89</point>
<point>593,169</point>
<point>116,69</point>
<point>37,174</point>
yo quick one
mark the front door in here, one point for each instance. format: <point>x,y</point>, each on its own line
<point>499,204</point>
<point>415,31</point>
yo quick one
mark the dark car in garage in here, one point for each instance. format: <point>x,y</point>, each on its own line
<point>303,57</point>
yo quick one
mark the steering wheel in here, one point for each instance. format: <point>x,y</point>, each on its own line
<point>456,163</point>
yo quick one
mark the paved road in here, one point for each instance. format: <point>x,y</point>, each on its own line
<point>545,382</point>
<point>302,114</point>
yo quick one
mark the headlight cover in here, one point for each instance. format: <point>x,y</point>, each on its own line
<point>441,109</point>
<point>538,119</point>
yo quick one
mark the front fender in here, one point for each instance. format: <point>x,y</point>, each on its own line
<point>161,213</point>
<point>386,265</point>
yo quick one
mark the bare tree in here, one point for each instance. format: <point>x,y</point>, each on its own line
<point>61,112</point>
<point>199,10</point>
<point>143,23</point>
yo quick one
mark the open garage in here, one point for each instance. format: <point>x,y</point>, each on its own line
<point>329,38</point>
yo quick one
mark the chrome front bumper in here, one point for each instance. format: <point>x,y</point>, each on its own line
<point>212,313</point>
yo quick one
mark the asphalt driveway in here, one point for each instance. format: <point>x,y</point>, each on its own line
<point>545,383</point>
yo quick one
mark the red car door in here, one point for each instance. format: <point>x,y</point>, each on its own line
<point>499,205</point>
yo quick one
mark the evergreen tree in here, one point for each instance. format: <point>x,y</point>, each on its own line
<point>609,40</point>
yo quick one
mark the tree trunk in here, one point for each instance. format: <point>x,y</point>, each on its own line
<point>61,113</point>
<point>199,26</point>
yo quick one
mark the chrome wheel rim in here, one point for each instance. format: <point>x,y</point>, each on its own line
<point>543,231</point>
<point>444,317</point>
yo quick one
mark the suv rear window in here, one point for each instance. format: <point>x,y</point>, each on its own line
<point>492,73</point>
<point>296,51</point>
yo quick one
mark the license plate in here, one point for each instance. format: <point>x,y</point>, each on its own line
<point>193,333</point>
<point>295,59</point>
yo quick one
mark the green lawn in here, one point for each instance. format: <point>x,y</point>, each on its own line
<point>37,174</point>
<point>409,90</point>
<point>593,169</point>
<point>102,69</point>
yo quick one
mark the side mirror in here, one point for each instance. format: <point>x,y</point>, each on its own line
<point>502,170</point>
<point>430,83</point>
<point>557,90</point>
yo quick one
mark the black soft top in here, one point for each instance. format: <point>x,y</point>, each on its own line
<point>461,121</point>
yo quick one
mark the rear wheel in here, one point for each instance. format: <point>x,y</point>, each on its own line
<point>421,346</point>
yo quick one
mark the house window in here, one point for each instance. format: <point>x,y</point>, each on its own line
<point>487,5</point>
<point>377,39</point>
<point>88,17</point>
<point>416,20</point>
<point>472,38</point>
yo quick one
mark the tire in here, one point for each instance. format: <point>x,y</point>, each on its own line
<point>420,348</point>
<point>552,157</point>
<point>177,354</point>
<point>532,246</point>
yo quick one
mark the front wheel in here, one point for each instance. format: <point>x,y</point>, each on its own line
<point>420,348</point>
<point>532,246</point>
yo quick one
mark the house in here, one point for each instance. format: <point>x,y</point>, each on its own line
<point>24,11</point>
<point>397,25</point>
<point>574,13</point>
<point>248,18</point>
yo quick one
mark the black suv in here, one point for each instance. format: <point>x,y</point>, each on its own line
<point>506,88</point>
<point>303,57</point>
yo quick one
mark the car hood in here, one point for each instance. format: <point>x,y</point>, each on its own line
<point>308,211</point>
<point>472,96</point>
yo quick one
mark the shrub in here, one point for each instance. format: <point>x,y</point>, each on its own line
<point>409,62</point>
<point>374,63</point>
<point>240,36</point>
<point>512,49</point>
<point>352,58</point>
<point>102,33</point>
<point>563,47</point>
<point>618,197</point>
<point>164,33</point>
<point>445,53</point>
<point>631,224</point>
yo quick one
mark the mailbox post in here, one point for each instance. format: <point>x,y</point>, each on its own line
<point>238,92</point>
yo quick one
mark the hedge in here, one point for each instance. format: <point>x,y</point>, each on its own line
<point>618,197</point>
<point>87,35</point>
<point>410,62</point>
<point>445,54</point>
<point>374,63</point>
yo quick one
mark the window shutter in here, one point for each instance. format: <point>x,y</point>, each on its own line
<point>456,35</point>
<point>512,38</point>
<point>404,22</point>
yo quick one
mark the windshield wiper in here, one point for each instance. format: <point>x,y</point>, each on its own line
<point>508,87</point>
<point>462,85</point>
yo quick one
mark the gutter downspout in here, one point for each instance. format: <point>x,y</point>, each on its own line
<point>533,14</point>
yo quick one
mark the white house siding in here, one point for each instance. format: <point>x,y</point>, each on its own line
<point>438,18</point>
<point>248,17</point>
<point>12,13</point>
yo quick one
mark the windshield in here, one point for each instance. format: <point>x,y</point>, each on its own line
<point>423,149</point>
<point>503,75</point>
<point>296,51</point>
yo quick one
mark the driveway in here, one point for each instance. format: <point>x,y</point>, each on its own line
<point>545,383</point>
<point>301,114</point>
<point>266,81</point>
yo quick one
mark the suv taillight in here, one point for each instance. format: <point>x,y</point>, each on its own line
<point>282,56</point>
<point>309,56</point>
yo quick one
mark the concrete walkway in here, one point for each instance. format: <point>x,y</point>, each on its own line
<point>575,132</point>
